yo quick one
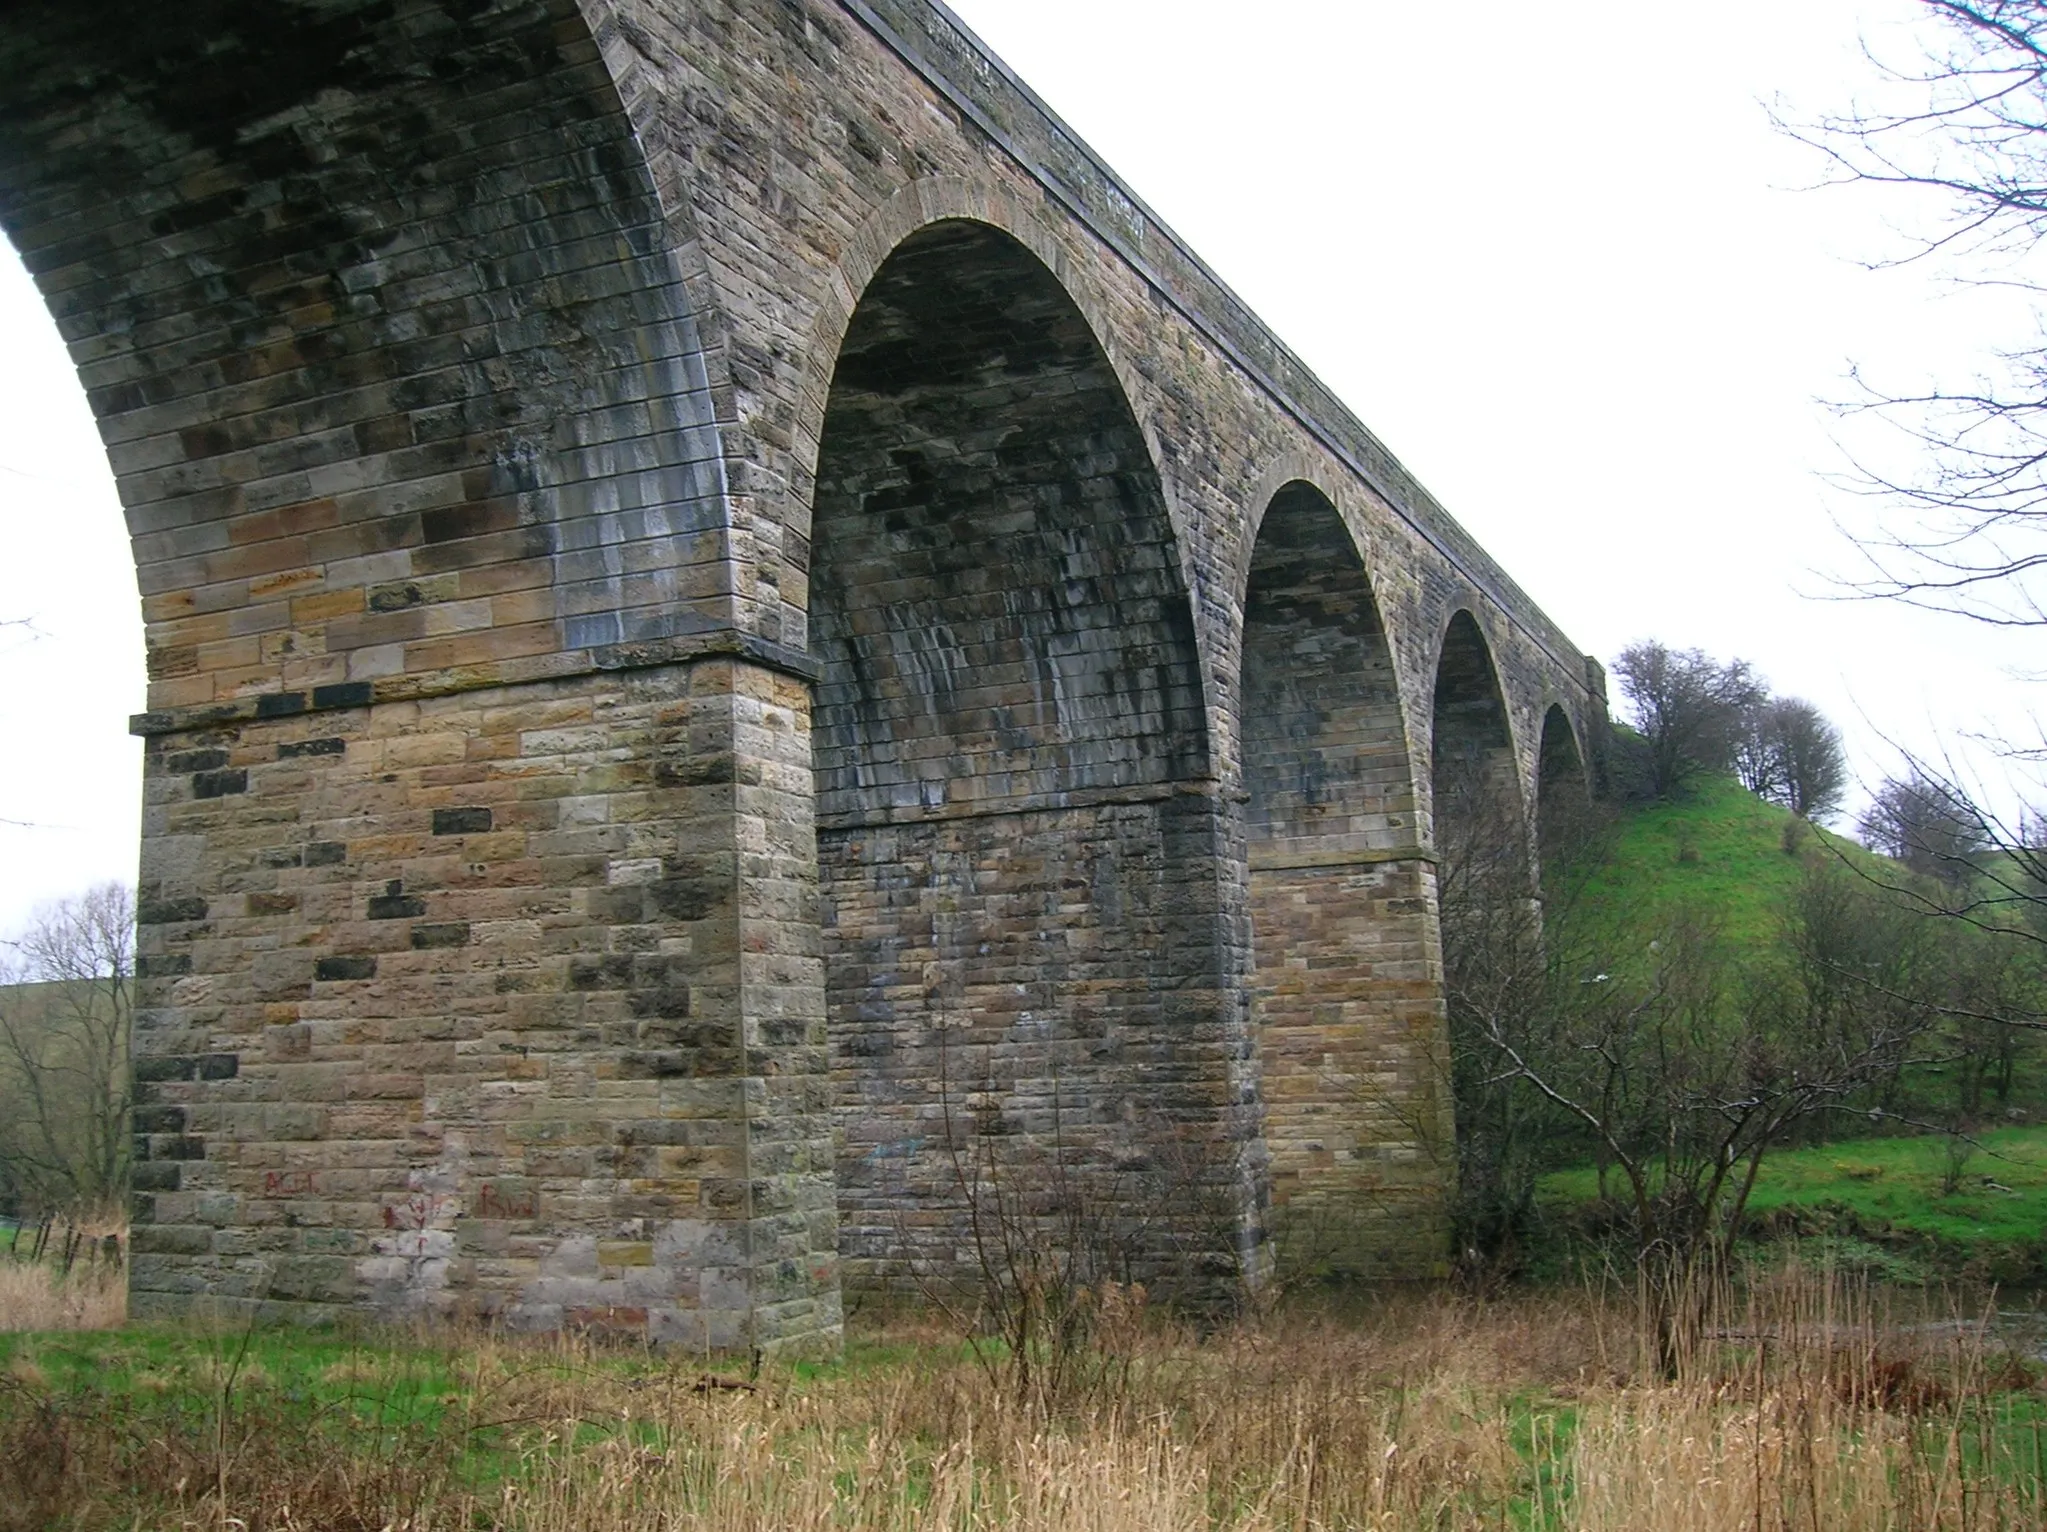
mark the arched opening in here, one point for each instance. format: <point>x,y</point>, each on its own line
<point>1491,929</point>
<point>70,627</point>
<point>1481,834</point>
<point>383,327</point>
<point>381,330</point>
<point>1020,927</point>
<point>1345,1012</point>
<point>1563,797</point>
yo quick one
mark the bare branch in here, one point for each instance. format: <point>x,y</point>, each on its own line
<point>1964,530</point>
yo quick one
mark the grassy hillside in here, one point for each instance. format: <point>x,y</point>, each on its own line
<point>1721,850</point>
<point>1720,853</point>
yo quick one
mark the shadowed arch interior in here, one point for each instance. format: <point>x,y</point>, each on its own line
<point>1477,805</point>
<point>1563,795</point>
<point>374,306</point>
<point>1343,997</point>
<point>1325,756</point>
<point>1013,876</point>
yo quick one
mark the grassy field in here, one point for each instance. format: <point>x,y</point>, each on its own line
<point>1999,1196</point>
<point>1720,849</point>
<point>1805,1408</point>
<point>1942,1207</point>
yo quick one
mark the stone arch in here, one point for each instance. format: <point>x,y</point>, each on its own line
<point>1488,921</point>
<point>384,331</point>
<point>379,314</point>
<point>931,200</point>
<point>911,209</point>
<point>1290,468</point>
<point>628,53</point>
<point>1344,1011</point>
<point>1473,773</point>
<point>1325,751</point>
<point>1563,788</point>
<point>1015,838</point>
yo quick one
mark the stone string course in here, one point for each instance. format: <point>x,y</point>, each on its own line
<point>748,660</point>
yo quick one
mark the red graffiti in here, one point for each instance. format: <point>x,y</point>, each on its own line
<point>505,1202</point>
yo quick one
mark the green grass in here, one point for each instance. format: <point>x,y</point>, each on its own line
<point>316,1368</point>
<point>1994,1224</point>
<point>327,1410</point>
<point>2001,1196</point>
<point>1718,853</point>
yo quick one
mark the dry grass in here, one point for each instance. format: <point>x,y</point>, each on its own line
<point>37,1297</point>
<point>1804,1409</point>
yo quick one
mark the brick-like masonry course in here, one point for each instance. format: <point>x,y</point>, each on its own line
<point>745,655</point>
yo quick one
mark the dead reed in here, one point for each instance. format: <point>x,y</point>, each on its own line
<point>38,1296</point>
<point>1801,1404</point>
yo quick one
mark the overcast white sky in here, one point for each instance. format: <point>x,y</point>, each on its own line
<point>1554,256</point>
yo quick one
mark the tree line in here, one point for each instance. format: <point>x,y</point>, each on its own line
<point>1695,715</point>
<point>1690,715</point>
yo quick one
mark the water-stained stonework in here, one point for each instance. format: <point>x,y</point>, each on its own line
<point>1016,822</point>
<point>745,655</point>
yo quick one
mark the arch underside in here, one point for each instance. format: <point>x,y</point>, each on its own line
<point>1346,1006</point>
<point>1481,825</point>
<point>377,312</point>
<point>1489,918</point>
<point>1563,804</point>
<point>1016,845</point>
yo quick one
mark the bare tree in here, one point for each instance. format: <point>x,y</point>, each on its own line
<point>1684,1070</point>
<point>1757,761</point>
<point>1964,130</point>
<point>1927,823</point>
<point>1815,762</point>
<point>64,1032</point>
<point>1496,965</point>
<point>1788,753</point>
<point>1688,707</point>
<point>1961,860</point>
<point>1968,135</point>
<point>1667,1057</point>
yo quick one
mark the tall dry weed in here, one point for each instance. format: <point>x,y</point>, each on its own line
<point>753,1467</point>
<point>1805,1402</point>
<point>36,1296</point>
<point>1686,1461</point>
<point>1806,1407</point>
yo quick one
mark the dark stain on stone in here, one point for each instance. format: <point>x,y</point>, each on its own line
<point>306,747</point>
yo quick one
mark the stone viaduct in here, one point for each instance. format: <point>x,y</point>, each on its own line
<point>747,659</point>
